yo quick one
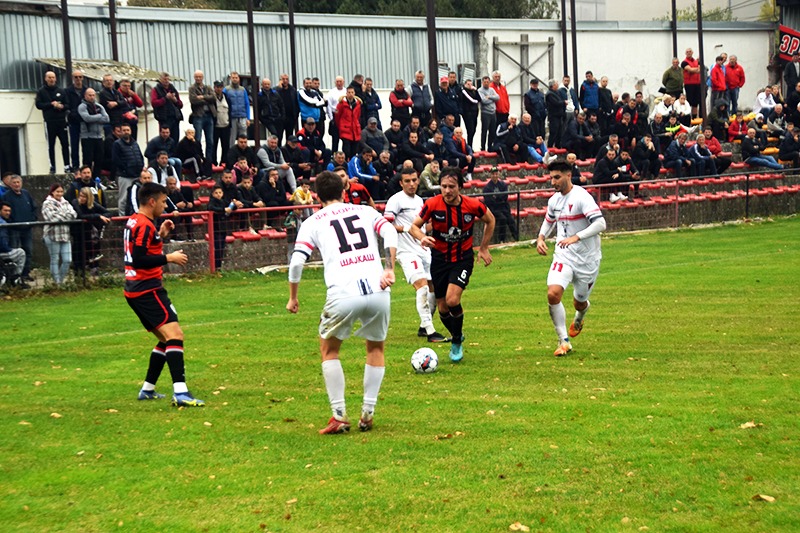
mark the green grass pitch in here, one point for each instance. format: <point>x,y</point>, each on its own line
<point>691,334</point>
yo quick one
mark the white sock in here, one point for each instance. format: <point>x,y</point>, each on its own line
<point>333,375</point>
<point>425,318</point>
<point>148,387</point>
<point>559,316</point>
<point>179,387</point>
<point>432,304</point>
<point>580,314</point>
<point>373,377</point>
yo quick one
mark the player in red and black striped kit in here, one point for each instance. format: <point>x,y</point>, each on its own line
<point>144,259</point>
<point>452,217</point>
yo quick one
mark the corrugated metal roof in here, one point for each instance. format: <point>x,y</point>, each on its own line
<point>160,44</point>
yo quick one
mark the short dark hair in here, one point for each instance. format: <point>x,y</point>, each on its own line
<point>162,126</point>
<point>161,152</point>
<point>329,186</point>
<point>407,171</point>
<point>241,136</point>
<point>4,204</point>
<point>451,172</point>
<point>84,166</point>
<point>217,187</point>
<point>150,190</point>
<point>559,166</point>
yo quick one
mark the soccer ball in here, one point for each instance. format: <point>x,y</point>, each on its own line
<point>424,361</point>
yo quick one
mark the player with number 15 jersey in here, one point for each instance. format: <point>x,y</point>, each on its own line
<point>358,290</point>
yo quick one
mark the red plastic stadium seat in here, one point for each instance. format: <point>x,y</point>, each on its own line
<point>557,151</point>
<point>218,168</point>
<point>203,199</point>
<point>193,186</point>
<point>738,166</point>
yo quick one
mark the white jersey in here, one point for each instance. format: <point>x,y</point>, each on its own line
<point>347,238</point>
<point>571,214</point>
<point>402,209</point>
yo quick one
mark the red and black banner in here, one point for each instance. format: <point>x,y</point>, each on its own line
<point>789,43</point>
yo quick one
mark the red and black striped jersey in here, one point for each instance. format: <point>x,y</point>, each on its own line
<point>357,194</point>
<point>144,257</point>
<point>452,226</point>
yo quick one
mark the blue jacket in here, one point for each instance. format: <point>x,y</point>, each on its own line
<point>356,169</point>
<point>238,102</point>
<point>5,247</point>
<point>311,103</point>
<point>676,152</point>
<point>590,95</point>
<point>127,158</point>
<point>534,104</point>
<point>447,103</point>
<point>23,206</point>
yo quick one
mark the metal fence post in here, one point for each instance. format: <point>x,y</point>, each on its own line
<point>747,196</point>
<point>211,251</point>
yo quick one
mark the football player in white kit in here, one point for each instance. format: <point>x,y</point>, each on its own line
<point>358,289</point>
<point>576,258</point>
<point>401,210</point>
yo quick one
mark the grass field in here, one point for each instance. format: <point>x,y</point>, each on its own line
<point>691,334</point>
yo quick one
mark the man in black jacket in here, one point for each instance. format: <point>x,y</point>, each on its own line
<point>415,151</point>
<point>74,98</point>
<point>291,108</point>
<point>536,108</point>
<point>52,101</point>
<point>556,113</point>
<point>270,109</point>
<point>129,163</point>
<point>577,137</point>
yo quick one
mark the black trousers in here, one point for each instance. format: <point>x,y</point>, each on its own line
<point>57,130</point>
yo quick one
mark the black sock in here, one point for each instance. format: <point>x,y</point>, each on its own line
<point>457,321</point>
<point>174,354</point>
<point>447,320</point>
<point>157,360</point>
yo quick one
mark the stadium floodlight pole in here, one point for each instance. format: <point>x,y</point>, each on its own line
<point>573,29</point>
<point>433,54</point>
<point>703,90</point>
<point>67,46</point>
<point>112,27</point>
<point>254,85</point>
<point>674,29</point>
<point>292,44</point>
<point>564,36</point>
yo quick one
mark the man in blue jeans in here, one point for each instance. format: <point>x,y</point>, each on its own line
<point>204,112</point>
<point>751,152</point>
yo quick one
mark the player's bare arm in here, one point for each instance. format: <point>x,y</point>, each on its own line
<point>166,227</point>
<point>293,305</point>
<point>416,231</point>
<point>177,257</point>
<point>488,230</point>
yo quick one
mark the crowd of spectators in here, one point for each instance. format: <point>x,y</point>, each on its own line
<point>431,128</point>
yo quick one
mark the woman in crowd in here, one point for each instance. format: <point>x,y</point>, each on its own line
<point>86,236</point>
<point>431,128</point>
<point>56,208</point>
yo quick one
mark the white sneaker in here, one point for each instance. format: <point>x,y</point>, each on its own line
<point>468,176</point>
<point>613,198</point>
<point>621,196</point>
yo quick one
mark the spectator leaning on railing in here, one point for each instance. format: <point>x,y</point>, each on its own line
<point>23,209</point>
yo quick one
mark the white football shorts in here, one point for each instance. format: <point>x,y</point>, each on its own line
<point>581,276</point>
<point>415,267</point>
<point>340,314</point>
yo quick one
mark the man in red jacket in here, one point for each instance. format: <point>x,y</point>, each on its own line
<point>503,106</point>
<point>719,88</point>
<point>734,76</point>
<point>348,122</point>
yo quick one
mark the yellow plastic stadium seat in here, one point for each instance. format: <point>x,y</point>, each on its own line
<point>697,121</point>
<point>770,151</point>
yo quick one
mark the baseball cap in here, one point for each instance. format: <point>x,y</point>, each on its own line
<point>443,79</point>
<point>291,139</point>
<point>372,120</point>
<point>218,84</point>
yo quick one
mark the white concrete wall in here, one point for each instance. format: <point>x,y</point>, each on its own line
<point>627,56</point>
